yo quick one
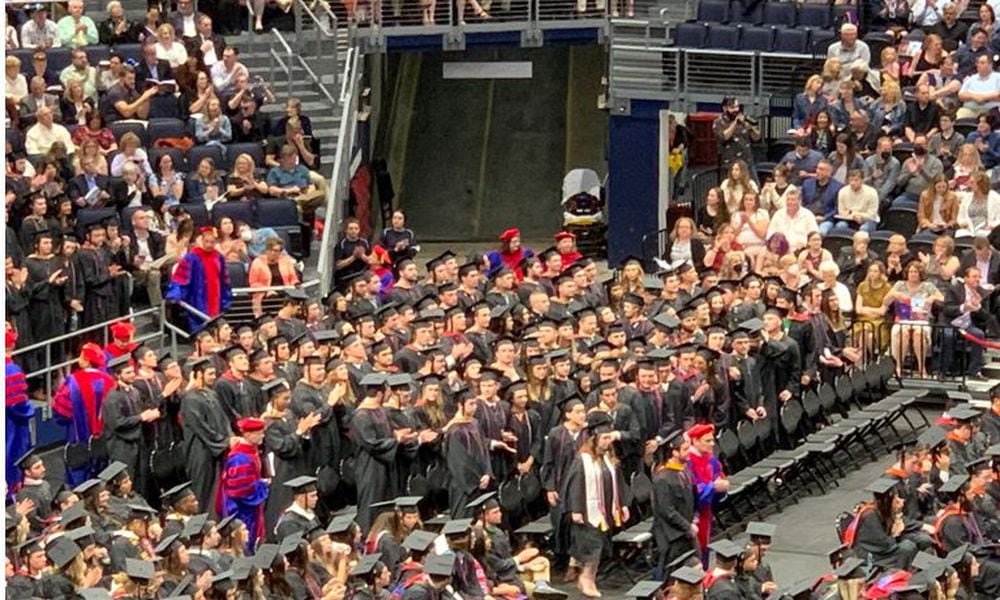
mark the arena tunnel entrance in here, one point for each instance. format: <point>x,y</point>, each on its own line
<point>471,157</point>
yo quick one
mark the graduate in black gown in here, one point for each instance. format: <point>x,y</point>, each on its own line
<point>300,515</point>
<point>231,386</point>
<point>311,395</point>
<point>876,532</point>
<point>722,582</point>
<point>561,446</point>
<point>673,504</point>
<point>467,457</point>
<point>492,417</point>
<point>526,425</point>
<point>597,500</point>
<point>46,293</point>
<point>207,434</point>
<point>124,417</point>
<point>287,441</point>
<point>780,367</point>
<point>94,260</point>
<point>18,306</point>
<point>377,447</point>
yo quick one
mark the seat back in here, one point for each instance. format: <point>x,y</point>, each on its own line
<point>723,37</point>
<point>747,436</point>
<point>811,405</point>
<point>902,219</point>
<point>254,149</point>
<point>88,216</point>
<point>238,277</point>
<point>729,448</point>
<point>197,153</point>
<point>277,212</point>
<point>783,14</point>
<point>820,40</point>
<point>791,417</point>
<point>837,239</point>
<point>199,214</point>
<point>120,128</point>
<point>180,164</point>
<point>844,388</point>
<point>95,54</point>
<point>690,35</point>
<point>59,58</point>
<point>164,106</point>
<point>158,129</point>
<point>757,39</point>
<point>713,11</point>
<point>814,15</point>
<point>238,211</point>
<point>738,14</point>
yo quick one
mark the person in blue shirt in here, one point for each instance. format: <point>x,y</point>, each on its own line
<point>289,179</point>
<point>986,141</point>
<point>819,193</point>
<point>808,103</point>
<point>801,161</point>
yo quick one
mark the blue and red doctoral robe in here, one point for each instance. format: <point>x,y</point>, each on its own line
<point>704,470</point>
<point>113,351</point>
<point>242,491</point>
<point>201,280</point>
<point>78,405</point>
<point>20,411</point>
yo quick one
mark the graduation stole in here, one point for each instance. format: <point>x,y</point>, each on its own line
<point>594,486</point>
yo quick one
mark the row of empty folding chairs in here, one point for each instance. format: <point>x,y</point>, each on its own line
<point>753,38</point>
<point>782,13</point>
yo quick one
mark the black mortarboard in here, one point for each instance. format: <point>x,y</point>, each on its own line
<point>419,541</point>
<point>74,513</point>
<point>993,451</point>
<point>708,354</point>
<point>631,298</point>
<point>373,380</point>
<point>457,527</point>
<point>797,590</point>
<point>651,282</point>
<point>83,536</point>
<point>666,321</point>
<point>883,485</point>
<point>242,567</point>
<point>851,568</point>
<point>112,471</point>
<point>28,460</point>
<point>195,526</point>
<point>326,336</point>
<point>224,524</point>
<point>265,556</point>
<point>929,564</point>
<point>232,352</point>
<point>302,484</point>
<point>660,355</point>
<point>312,359</point>
<point>932,437</point>
<point>751,326</point>
<point>954,484</point>
<point>644,590</point>
<point>174,494</point>
<point>91,486</point>
<point>774,310</point>
<point>758,529</point>
<point>977,465</point>
<point>223,581</point>
<point>290,543</point>
<point>141,511</point>
<point>726,549</point>
<point>62,552</point>
<point>29,546</point>
<point>340,523</point>
<point>398,380</point>
<point>366,565</point>
<point>200,364</point>
<point>119,362</point>
<point>688,575</point>
<point>142,570</point>
<point>482,502</point>
<point>274,387</point>
<point>964,412</point>
<point>164,358</point>
<point>167,544</point>
<point>498,311</point>
<point>599,422</point>
<point>296,294</point>
<point>490,374</point>
<point>440,565</point>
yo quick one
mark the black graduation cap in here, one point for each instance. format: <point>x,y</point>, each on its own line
<point>91,486</point>
<point>164,358</point>
<point>993,451</point>
<point>758,530</point>
<point>508,390</point>
<point>490,374</point>
<point>399,380</point>
<point>73,514</point>
<point>326,336</point>
<point>797,590</point>
<point>929,564</point>
<point>708,354</point>
<point>964,412</point>
<point>666,321</point>
<point>599,422</point>
<point>265,556</point>
<point>954,484</point>
<point>195,526</point>
<point>726,549</point>
<point>851,568</point>
<point>373,380</point>
<point>652,282</point>
<point>223,525</point>
<point>290,543</point>
<point>497,312</point>
<point>751,326</point>
<point>932,437</point>
<point>457,527</point>
<point>241,568</point>
<point>296,294</point>
<point>635,299</point>
<point>883,485</point>
<point>176,493</point>
<point>312,359</point>
<point>119,362</point>
<point>112,471</point>
<point>28,460</point>
<point>419,541</point>
<point>274,387</point>
<point>302,484</point>
<point>688,575</point>
<point>62,552</point>
<point>366,565</point>
<point>232,352</point>
<point>976,465</point>
<point>483,502</point>
<point>465,269</point>
<point>29,546</point>
<point>200,364</point>
<point>167,544</point>
<point>674,439</point>
<point>223,581</point>
<point>143,570</point>
<point>957,555</point>
<point>644,590</point>
<point>440,565</point>
<point>94,594</point>
<point>340,523</point>
<point>774,310</point>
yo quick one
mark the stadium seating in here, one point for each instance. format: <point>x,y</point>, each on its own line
<point>901,220</point>
<point>793,41</point>
<point>180,163</point>
<point>782,14</point>
<point>722,37</point>
<point>690,35</point>
<point>816,16</point>
<point>254,149</point>
<point>120,128</point>
<point>196,153</point>
<point>737,14</point>
<point>158,129</point>
<point>241,212</point>
<point>713,11</point>
<point>757,39</point>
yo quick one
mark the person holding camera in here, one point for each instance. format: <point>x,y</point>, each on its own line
<point>734,134</point>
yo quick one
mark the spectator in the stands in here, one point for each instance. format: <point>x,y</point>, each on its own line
<point>274,268</point>
<point>210,44</point>
<point>931,56</point>
<point>90,149</point>
<point>40,32</point>
<point>986,141</point>
<point>684,245</point>
<point>980,92</point>
<point>882,170</point>
<point>74,106</point>
<point>80,70</point>
<point>849,48</point>
<point>857,206</point>
<point>808,103</point>
<point>195,101</point>
<point>845,158</point>
<point>987,21</point>
<point>291,179</point>
<point>293,108</point>
<point>978,211</point>
<point>166,184</point>
<point>772,196</point>
<point>967,163</point>
<point>937,210</point>
<point>293,137</point>
<point>168,48</point>
<point>124,101</point>
<point>968,55</point>
<point>856,258</point>
<point>185,19</point>
<point>711,213</point>
<point>846,103</point>
<point>951,31</point>
<point>148,251</point>
<point>249,124</point>
<point>831,75</point>
<point>822,133</point>
<point>946,142</point>
<point>889,68</point>
<point>927,13</point>
<point>888,112</point>
<point>40,67</point>
<point>352,252</point>
<point>940,263</point>
<point>984,258</point>
<point>88,180</point>
<point>894,15</point>
<point>201,179</point>
<point>864,134</point>
<point>16,84</point>
<point>77,29</point>
<point>10,35</point>
<point>751,223</point>
<point>212,127</point>
<point>136,191</point>
<point>242,88</point>
<point>116,29</point>
<point>40,136</point>
<point>793,221</point>
<point>131,152</point>
<point>243,183</point>
<point>145,32</point>
<point>151,67</point>
<point>801,162</point>
<point>819,193</point>
<point>737,183</point>
<point>94,129</point>
<point>734,135</point>
<point>110,74</point>
<point>921,115</point>
<point>37,97</point>
<point>224,73</point>
<point>916,173</point>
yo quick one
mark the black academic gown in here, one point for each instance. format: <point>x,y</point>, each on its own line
<point>406,456</point>
<point>467,457</point>
<point>561,447</point>
<point>871,539</point>
<point>123,428</point>
<point>206,443</point>
<point>289,451</point>
<point>46,300</point>
<point>724,588</point>
<point>780,369</point>
<point>324,452</point>
<point>233,396</point>
<point>673,514</point>
<point>98,300</point>
<point>375,460</point>
<point>492,418</point>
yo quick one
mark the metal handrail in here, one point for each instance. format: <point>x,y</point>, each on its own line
<point>285,66</point>
<point>81,331</point>
<point>274,288</point>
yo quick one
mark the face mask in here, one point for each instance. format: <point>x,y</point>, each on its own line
<point>919,151</point>
<point>246,235</point>
<point>886,155</point>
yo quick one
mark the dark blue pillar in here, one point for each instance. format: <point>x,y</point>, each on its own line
<point>633,161</point>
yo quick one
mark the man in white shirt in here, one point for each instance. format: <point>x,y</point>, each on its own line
<point>927,13</point>
<point>211,45</point>
<point>849,49</point>
<point>40,32</point>
<point>793,222</point>
<point>980,91</point>
<point>77,29</point>
<point>46,132</point>
<point>185,19</point>
<point>224,73</point>
<point>857,206</point>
